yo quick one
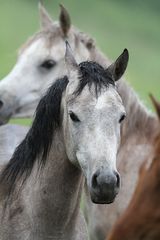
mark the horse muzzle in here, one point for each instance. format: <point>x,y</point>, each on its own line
<point>104,186</point>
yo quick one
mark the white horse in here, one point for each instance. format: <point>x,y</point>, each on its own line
<point>41,58</point>
<point>39,63</point>
<point>76,119</point>
<point>10,137</point>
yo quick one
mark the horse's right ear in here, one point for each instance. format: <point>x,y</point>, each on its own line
<point>156,105</point>
<point>118,68</point>
<point>46,21</point>
<point>71,64</point>
<point>64,20</point>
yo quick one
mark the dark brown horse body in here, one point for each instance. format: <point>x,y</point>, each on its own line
<point>141,220</point>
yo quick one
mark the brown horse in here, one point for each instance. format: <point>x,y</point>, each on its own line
<point>141,220</point>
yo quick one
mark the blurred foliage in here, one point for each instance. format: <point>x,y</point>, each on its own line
<point>152,5</point>
<point>114,24</point>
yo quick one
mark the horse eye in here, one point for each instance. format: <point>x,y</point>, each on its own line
<point>122,118</point>
<point>74,117</point>
<point>48,64</point>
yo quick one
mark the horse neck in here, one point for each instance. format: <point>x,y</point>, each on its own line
<point>139,121</point>
<point>55,198</point>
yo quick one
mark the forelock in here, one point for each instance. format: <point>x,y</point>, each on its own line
<point>92,74</point>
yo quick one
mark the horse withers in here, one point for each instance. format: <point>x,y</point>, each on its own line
<point>141,220</point>
<point>75,133</point>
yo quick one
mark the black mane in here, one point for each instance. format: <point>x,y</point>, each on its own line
<point>91,73</point>
<point>38,140</point>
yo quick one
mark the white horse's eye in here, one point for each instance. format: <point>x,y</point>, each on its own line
<point>122,118</point>
<point>48,64</point>
<point>74,117</point>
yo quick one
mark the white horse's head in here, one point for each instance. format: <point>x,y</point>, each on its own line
<point>40,62</point>
<point>93,112</point>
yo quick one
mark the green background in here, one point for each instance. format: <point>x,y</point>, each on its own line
<point>114,24</point>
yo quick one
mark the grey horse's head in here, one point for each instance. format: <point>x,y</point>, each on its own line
<point>93,112</point>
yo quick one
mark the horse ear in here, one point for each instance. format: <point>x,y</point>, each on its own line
<point>156,104</point>
<point>65,20</point>
<point>45,20</point>
<point>118,68</point>
<point>70,61</point>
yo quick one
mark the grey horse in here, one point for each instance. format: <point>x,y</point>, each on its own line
<point>41,186</point>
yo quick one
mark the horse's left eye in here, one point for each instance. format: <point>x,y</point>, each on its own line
<point>74,117</point>
<point>48,64</point>
<point>122,118</point>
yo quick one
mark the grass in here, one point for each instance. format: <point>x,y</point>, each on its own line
<point>114,24</point>
<point>26,121</point>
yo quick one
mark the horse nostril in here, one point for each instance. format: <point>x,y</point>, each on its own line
<point>1,103</point>
<point>118,179</point>
<point>94,179</point>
